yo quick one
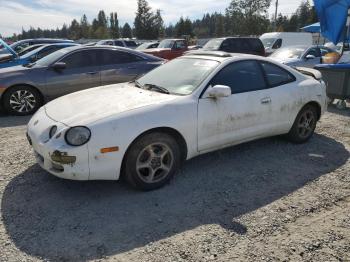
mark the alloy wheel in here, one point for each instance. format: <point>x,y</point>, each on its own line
<point>22,101</point>
<point>154,162</point>
<point>306,124</point>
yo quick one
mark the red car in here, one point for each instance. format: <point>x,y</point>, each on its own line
<point>169,49</point>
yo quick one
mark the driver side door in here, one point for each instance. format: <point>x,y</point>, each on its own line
<point>240,117</point>
<point>82,72</point>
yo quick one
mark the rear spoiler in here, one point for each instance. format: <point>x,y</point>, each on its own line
<point>310,72</point>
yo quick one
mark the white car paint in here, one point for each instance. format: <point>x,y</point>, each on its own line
<point>118,114</point>
<point>287,38</point>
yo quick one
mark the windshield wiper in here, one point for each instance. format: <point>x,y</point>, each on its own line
<point>159,88</point>
<point>30,65</point>
<point>137,84</point>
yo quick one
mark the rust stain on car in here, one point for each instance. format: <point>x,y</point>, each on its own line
<point>63,158</point>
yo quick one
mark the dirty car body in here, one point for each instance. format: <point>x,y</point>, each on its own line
<point>169,49</point>
<point>230,99</point>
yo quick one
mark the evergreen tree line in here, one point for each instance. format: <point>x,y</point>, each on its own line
<point>241,17</point>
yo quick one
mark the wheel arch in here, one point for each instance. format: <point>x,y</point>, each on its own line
<point>166,130</point>
<point>317,106</point>
<point>27,85</point>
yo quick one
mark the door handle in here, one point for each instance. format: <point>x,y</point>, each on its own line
<point>92,73</point>
<point>266,100</point>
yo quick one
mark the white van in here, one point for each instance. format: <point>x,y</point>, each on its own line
<point>276,40</point>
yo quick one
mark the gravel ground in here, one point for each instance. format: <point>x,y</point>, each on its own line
<point>267,200</point>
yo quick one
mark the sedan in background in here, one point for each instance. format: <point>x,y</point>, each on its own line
<point>143,130</point>
<point>169,49</point>
<point>23,89</point>
<point>304,56</point>
<point>147,45</point>
<point>33,55</point>
<point>119,42</point>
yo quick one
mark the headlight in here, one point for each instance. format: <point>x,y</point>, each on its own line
<point>78,136</point>
<point>53,131</point>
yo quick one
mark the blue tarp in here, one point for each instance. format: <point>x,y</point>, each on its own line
<point>333,15</point>
<point>314,28</point>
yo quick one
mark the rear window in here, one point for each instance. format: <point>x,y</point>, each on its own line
<point>257,46</point>
<point>130,44</point>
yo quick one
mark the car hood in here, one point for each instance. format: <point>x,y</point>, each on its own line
<point>286,60</point>
<point>88,106</point>
<point>156,50</point>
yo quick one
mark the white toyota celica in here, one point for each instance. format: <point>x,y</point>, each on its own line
<point>192,105</point>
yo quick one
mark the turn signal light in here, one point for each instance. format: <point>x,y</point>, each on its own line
<point>109,150</point>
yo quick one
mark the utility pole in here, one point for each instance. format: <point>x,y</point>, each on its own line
<point>276,15</point>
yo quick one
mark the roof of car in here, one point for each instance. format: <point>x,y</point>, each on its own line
<point>219,55</point>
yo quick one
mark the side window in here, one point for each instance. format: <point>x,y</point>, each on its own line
<point>46,51</point>
<point>244,46</point>
<point>110,57</point>
<point>277,44</point>
<point>226,46</point>
<point>179,45</point>
<point>242,77</point>
<point>276,75</point>
<point>81,59</point>
<point>118,43</point>
<point>256,46</point>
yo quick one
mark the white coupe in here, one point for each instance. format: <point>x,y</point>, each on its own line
<point>144,130</point>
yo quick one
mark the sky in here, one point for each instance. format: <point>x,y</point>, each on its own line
<point>15,14</point>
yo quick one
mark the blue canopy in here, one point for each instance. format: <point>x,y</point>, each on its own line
<point>314,28</point>
<point>333,15</point>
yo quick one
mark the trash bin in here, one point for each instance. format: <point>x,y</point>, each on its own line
<point>337,78</point>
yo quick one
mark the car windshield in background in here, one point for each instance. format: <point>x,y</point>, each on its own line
<point>213,44</point>
<point>288,52</point>
<point>268,42</point>
<point>166,44</point>
<point>143,46</point>
<point>51,58</point>
<point>130,44</point>
<point>192,71</point>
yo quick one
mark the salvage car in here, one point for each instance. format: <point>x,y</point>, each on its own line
<point>143,130</point>
<point>169,49</point>
<point>33,55</point>
<point>23,89</point>
<point>119,42</point>
<point>304,56</point>
<point>147,45</point>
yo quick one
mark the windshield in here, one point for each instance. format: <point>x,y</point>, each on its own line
<point>268,42</point>
<point>289,52</point>
<point>213,44</point>
<point>166,44</point>
<point>51,58</point>
<point>192,72</point>
<point>143,46</point>
<point>130,43</point>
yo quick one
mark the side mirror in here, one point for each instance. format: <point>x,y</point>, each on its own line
<point>59,66</point>
<point>308,57</point>
<point>218,91</point>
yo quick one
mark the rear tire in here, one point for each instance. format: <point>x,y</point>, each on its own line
<point>152,161</point>
<point>22,100</point>
<point>304,125</point>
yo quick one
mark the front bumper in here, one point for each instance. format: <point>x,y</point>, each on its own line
<point>54,155</point>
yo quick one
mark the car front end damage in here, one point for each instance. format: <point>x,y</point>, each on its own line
<point>52,152</point>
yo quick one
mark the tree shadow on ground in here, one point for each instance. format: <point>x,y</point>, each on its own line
<point>56,219</point>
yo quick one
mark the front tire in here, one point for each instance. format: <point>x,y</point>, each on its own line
<point>304,125</point>
<point>152,161</point>
<point>22,100</point>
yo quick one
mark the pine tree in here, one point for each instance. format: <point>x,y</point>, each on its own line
<point>126,31</point>
<point>114,25</point>
<point>143,20</point>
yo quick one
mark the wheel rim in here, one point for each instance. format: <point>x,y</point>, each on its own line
<point>22,101</point>
<point>306,124</point>
<point>154,162</point>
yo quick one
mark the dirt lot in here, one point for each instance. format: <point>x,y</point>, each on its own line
<point>263,201</point>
